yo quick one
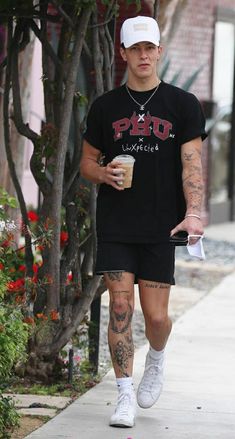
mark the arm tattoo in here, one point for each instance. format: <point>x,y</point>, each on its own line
<point>115,275</point>
<point>192,180</point>
<point>187,156</point>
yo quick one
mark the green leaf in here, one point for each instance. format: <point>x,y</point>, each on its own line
<point>188,83</point>
<point>165,68</point>
<point>12,202</point>
<point>175,78</point>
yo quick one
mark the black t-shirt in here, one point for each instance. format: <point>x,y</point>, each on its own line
<point>115,125</point>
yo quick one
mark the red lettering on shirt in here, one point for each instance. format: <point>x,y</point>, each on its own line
<point>161,128</point>
<point>120,126</point>
<point>140,125</point>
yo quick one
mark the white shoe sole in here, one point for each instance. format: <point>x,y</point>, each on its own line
<point>147,406</point>
<point>122,424</point>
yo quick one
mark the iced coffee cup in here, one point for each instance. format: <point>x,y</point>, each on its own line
<point>127,163</point>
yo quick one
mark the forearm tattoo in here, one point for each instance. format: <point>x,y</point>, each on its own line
<point>192,180</point>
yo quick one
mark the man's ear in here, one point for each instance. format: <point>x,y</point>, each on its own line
<point>123,53</point>
<point>160,50</point>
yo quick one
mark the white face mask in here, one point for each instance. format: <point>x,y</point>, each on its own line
<point>196,250</point>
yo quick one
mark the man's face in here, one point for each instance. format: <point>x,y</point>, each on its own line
<point>141,59</point>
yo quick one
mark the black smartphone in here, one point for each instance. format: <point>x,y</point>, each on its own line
<point>180,238</point>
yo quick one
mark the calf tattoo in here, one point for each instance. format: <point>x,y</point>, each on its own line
<point>122,352</point>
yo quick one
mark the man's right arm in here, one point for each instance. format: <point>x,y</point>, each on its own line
<point>91,169</point>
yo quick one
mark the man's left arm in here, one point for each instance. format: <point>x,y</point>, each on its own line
<point>192,186</point>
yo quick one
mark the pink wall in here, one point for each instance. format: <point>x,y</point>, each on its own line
<point>36,115</point>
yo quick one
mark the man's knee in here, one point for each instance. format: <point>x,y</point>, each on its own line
<point>157,321</point>
<point>121,312</point>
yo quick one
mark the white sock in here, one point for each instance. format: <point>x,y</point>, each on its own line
<point>125,384</point>
<point>155,355</point>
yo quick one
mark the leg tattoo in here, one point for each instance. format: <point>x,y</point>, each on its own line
<point>115,275</point>
<point>122,352</point>
<point>120,336</point>
<point>119,319</point>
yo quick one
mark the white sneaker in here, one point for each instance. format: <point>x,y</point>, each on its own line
<point>125,412</point>
<point>151,384</point>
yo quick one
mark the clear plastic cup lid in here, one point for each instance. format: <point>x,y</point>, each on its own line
<point>125,158</point>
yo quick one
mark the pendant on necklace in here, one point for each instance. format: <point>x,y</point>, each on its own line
<point>142,107</point>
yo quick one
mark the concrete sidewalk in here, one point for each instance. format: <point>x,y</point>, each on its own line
<point>198,401</point>
<point>221,232</point>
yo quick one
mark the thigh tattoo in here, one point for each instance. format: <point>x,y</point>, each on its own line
<point>157,285</point>
<point>115,275</point>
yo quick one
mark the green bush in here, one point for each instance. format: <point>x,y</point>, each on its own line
<point>9,418</point>
<point>13,341</point>
<point>13,333</point>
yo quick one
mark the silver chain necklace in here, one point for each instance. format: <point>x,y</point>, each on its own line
<point>145,103</point>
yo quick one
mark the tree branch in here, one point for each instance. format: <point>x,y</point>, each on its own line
<point>63,14</point>
<point>28,244</point>
<point>98,59</point>
<point>77,150</point>
<point>57,189</point>
<point>22,128</point>
<point>107,60</point>
<point>156,7</point>
<point>82,304</point>
<point>46,45</point>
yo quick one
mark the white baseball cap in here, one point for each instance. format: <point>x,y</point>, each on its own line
<point>137,29</point>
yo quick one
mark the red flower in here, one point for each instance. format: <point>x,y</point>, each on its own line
<point>6,243</point>
<point>35,268</point>
<point>41,316</point>
<point>16,286</point>
<point>63,237</point>
<point>69,277</point>
<point>1,266</point>
<point>40,248</point>
<point>33,216</point>
<point>54,315</point>
<point>22,268</point>
<point>29,320</point>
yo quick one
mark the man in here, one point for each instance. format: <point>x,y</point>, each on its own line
<point>162,127</point>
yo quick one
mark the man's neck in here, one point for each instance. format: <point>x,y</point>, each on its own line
<point>143,84</point>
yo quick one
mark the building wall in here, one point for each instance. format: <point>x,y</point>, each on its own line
<point>193,42</point>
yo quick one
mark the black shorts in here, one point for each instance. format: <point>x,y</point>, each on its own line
<point>155,262</point>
